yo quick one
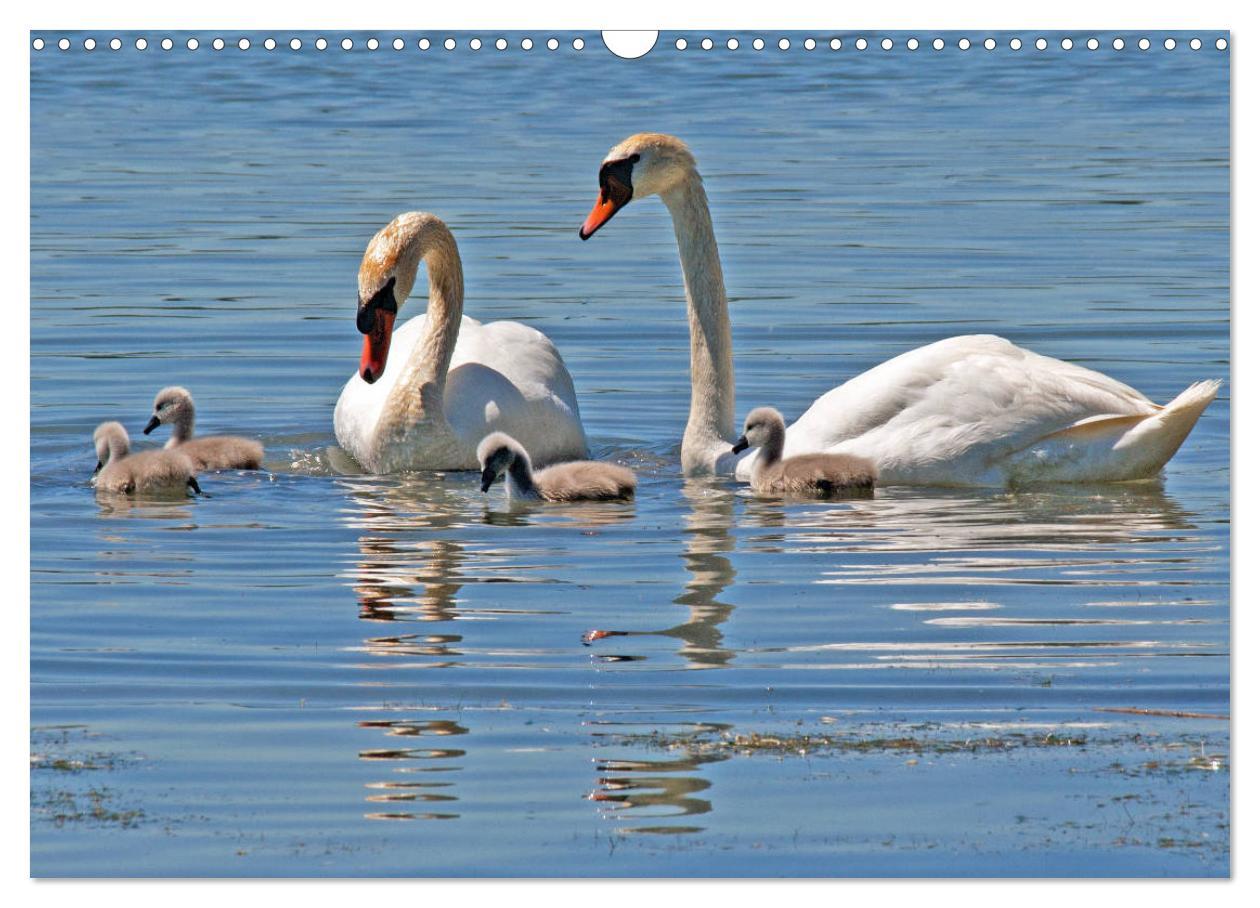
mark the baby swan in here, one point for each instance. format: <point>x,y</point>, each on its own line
<point>148,471</point>
<point>217,452</point>
<point>808,474</point>
<point>577,480</point>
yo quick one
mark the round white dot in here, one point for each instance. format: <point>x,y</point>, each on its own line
<point>217,44</point>
<point>1221,44</point>
<point>784,44</point>
<point>295,44</point>
<point>938,43</point>
<point>193,44</point>
<point>810,43</point>
<point>913,44</point>
<point>1195,43</point>
<point>886,44</point>
<point>243,44</point>
<point>758,43</point>
<point>115,44</point>
<point>1092,44</point>
<point>346,44</point>
<point>449,43</point>
<point>321,43</point>
<point>89,44</point>
<point>142,44</point>
<point>552,44</point>
<point>578,43</point>
<point>836,44</point>
<point>1144,43</point>
<point>167,44</point>
<point>964,43</point>
<point>707,44</point>
<point>1118,44</point>
<point>475,44</point>
<point>681,44</point>
<point>38,44</point>
<point>1066,44</point>
<point>1016,44</point>
<point>1042,44</point>
<point>399,44</point>
<point>860,44</point>
<point>989,44</point>
<point>501,44</point>
<point>527,44</point>
<point>270,44</point>
<point>64,44</point>
<point>373,44</point>
<point>732,44</point>
<point>1169,44</point>
<point>425,43</point>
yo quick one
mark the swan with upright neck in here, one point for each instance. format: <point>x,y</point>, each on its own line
<point>426,395</point>
<point>973,410</point>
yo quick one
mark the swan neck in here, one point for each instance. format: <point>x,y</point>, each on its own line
<point>712,418</point>
<point>417,395</point>
<point>520,477</point>
<point>771,452</point>
<point>182,429</point>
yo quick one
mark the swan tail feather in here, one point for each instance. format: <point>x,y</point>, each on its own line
<point>1114,448</point>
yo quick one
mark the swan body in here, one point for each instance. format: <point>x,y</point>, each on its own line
<point>973,410</point>
<point>578,480</point>
<point>819,475</point>
<point>425,396</point>
<point>118,470</point>
<point>174,406</point>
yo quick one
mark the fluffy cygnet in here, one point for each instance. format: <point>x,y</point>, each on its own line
<point>174,406</point>
<point>578,480</point>
<point>117,470</point>
<point>808,474</point>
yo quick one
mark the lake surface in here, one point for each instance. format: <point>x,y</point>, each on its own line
<point>312,672</point>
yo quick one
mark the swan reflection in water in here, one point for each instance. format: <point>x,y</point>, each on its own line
<point>650,794</point>
<point>424,793</point>
<point>411,564</point>
<point>707,539</point>
<point>406,571</point>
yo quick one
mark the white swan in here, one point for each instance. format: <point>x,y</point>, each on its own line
<point>971,410</point>
<point>451,380</point>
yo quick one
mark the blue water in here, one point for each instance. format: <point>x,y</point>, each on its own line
<point>313,672</point>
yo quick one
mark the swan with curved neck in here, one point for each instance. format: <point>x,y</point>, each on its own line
<point>973,410</point>
<point>424,396</point>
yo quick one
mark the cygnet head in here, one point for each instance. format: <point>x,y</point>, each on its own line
<point>496,453</point>
<point>761,425</point>
<point>111,442</point>
<point>646,164</point>
<point>172,405</point>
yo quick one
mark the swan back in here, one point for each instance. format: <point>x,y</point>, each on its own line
<point>222,452</point>
<point>586,480</point>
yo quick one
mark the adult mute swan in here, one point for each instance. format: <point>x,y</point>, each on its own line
<point>451,380</point>
<point>972,410</point>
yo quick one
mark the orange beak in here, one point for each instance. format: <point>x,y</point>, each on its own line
<point>600,215</point>
<point>376,346</point>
